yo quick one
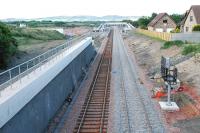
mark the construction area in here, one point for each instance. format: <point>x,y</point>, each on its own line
<point>124,87</point>
<point>148,52</point>
<point>127,87</point>
<point>100,67</point>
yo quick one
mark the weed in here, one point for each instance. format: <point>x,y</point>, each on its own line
<point>169,44</point>
<point>195,48</point>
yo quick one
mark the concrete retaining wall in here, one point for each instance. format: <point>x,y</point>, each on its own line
<point>190,37</point>
<point>35,115</point>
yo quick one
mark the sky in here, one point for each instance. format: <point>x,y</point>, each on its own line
<point>47,8</point>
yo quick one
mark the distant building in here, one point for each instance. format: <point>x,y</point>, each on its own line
<point>192,18</point>
<point>21,25</point>
<point>183,21</point>
<point>162,23</point>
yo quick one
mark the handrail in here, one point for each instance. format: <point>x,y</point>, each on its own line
<point>17,72</point>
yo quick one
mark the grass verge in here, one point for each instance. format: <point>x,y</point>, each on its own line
<point>191,48</point>
<point>32,36</point>
<point>169,44</point>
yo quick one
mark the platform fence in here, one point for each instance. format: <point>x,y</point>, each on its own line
<point>8,77</point>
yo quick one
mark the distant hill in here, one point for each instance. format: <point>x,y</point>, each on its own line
<point>77,18</point>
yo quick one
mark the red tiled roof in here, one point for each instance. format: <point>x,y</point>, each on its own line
<point>156,19</point>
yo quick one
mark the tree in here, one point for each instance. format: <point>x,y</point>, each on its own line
<point>143,22</point>
<point>8,45</point>
<point>153,15</point>
<point>133,23</point>
<point>177,18</point>
<point>59,23</point>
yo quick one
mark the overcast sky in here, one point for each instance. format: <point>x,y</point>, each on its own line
<point>46,8</point>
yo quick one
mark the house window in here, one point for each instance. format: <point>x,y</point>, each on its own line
<point>191,18</point>
<point>186,29</point>
<point>165,21</point>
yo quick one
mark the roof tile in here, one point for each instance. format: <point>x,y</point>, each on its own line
<point>156,19</point>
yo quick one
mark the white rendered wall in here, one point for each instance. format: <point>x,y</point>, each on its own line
<point>169,29</point>
<point>159,30</point>
<point>12,100</point>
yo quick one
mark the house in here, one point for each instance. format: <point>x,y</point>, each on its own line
<point>162,23</point>
<point>192,18</point>
<point>22,25</point>
<point>183,21</point>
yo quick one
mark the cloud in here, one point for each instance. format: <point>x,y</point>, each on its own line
<point>45,8</point>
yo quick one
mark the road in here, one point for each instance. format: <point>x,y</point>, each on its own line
<point>133,109</point>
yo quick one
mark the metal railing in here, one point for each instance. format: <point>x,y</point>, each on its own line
<point>8,77</point>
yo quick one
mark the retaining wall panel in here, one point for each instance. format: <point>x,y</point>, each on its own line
<point>35,115</point>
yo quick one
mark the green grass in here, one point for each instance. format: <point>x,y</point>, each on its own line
<point>26,41</point>
<point>154,38</point>
<point>191,48</point>
<point>32,36</point>
<point>169,44</point>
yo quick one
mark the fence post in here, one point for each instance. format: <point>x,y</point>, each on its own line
<point>20,75</point>
<point>10,77</point>
<point>27,69</point>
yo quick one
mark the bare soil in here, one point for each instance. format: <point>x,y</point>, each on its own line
<point>148,54</point>
<point>76,31</point>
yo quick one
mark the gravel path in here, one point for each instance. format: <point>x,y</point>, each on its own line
<point>133,109</point>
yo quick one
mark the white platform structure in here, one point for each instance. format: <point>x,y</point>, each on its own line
<point>121,25</point>
<point>172,107</point>
<point>169,105</point>
<point>16,96</point>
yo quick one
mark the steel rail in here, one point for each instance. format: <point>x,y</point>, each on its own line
<point>92,90</point>
<point>90,95</point>
<point>105,96</point>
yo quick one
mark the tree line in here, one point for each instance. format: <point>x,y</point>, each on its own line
<point>8,45</point>
<point>49,23</point>
<point>145,20</point>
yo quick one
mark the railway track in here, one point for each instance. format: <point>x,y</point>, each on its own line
<point>147,124</point>
<point>138,111</point>
<point>94,114</point>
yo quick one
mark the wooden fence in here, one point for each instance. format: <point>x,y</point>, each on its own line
<point>161,35</point>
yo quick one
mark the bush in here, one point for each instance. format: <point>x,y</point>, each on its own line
<point>8,45</point>
<point>177,30</point>
<point>196,28</point>
<point>191,49</point>
<point>143,27</point>
<point>169,44</point>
